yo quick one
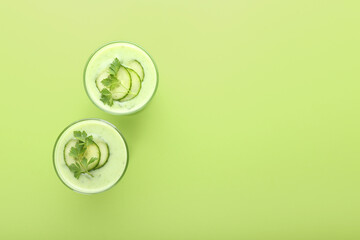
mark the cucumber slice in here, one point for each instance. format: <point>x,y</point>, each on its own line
<point>101,77</point>
<point>69,159</point>
<point>105,153</point>
<point>137,67</point>
<point>135,86</point>
<point>91,151</point>
<point>125,79</point>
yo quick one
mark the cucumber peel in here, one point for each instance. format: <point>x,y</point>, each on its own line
<point>105,153</point>
<point>135,86</point>
<point>137,67</point>
<point>124,77</point>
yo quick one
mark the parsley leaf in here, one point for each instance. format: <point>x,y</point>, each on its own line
<point>76,170</point>
<point>81,136</point>
<point>106,97</point>
<point>88,141</point>
<point>111,82</point>
<point>84,162</point>
<point>114,67</point>
<point>74,152</point>
<point>81,164</point>
<point>73,168</point>
<point>92,160</point>
<point>78,150</point>
<point>77,174</point>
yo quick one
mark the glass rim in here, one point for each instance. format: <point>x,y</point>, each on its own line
<point>125,113</point>
<point>100,120</point>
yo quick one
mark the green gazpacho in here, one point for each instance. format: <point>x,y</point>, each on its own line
<point>120,78</point>
<point>90,156</point>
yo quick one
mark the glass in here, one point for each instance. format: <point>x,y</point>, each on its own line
<point>101,106</point>
<point>120,135</point>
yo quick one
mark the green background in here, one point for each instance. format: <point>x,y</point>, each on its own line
<point>252,134</point>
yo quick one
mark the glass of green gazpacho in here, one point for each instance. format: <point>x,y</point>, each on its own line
<point>120,78</point>
<point>90,156</point>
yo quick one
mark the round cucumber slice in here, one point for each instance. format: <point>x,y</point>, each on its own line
<point>135,86</point>
<point>105,153</point>
<point>125,79</point>
<point>137,67</point>
<point>91,151</point>
<point>98,80</point>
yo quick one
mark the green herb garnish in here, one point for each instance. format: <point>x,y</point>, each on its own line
<point>110,83</point>
<point>106,97</point>
<point>114,67</point>
<point>81,162</point>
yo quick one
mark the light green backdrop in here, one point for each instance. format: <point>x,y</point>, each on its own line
<point>253,134</point>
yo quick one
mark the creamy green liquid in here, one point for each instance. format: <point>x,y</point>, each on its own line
<point>125,52</point>
<point>104,177</point>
